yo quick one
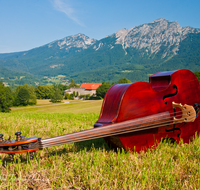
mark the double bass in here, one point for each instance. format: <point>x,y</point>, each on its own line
<point>134,116</point>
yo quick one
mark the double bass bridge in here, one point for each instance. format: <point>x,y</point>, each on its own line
<point>187,113</point>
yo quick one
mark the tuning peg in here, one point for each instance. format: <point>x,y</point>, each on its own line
<point>1,137</point>
<point>11,157</point>
<point>31,155</point>
<point>18,136</point>
<point>23,137</point>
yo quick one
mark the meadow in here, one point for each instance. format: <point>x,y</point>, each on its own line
<point>90,164</point>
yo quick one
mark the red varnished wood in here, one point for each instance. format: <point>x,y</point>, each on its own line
<point>18,151</point>
<point>109,111</point>
<point>130,101</point>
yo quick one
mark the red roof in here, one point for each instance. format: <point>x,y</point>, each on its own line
<point>90,86</point>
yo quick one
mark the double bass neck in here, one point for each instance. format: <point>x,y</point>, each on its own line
<point>134,125</point>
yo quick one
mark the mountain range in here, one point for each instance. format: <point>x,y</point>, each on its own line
<point>133,53</point>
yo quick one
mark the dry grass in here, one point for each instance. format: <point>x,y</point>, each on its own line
<point>74,106</point>
<point>43,102</point>
<point>91,164</point>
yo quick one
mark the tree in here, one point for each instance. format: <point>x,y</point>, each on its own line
<point>32,98</point>
<point>57,96</point>
<point>71,97</point>
<point>40,94</point>
<point>22,97</point>
<point>73,84</point>
<point>67,96</point>
<point>101,90</point>
<point>44,92</point>
<point>48,90</point>
<point>124,80</point>
<point>197,73</point>
<point>25,95</point>
<point>6,98</point>
<point>61,87</point>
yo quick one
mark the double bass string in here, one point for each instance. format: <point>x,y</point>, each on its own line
<point>64,141</point>
<point>71,139</point>
<point>82,135</point>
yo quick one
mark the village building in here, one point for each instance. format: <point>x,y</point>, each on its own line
<point>84,89</point>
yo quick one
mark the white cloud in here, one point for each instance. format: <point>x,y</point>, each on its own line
<point>65,7</point>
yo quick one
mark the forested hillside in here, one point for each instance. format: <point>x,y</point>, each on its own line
<point>132,53</point>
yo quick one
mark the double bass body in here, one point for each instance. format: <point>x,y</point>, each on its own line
<point>136,100</point>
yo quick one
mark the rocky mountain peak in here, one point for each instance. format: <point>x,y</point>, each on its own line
<point>79,41</point>
<point>121,34</point>
<point>152,36</point>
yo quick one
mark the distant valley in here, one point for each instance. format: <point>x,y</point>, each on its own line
<point>133,53</point>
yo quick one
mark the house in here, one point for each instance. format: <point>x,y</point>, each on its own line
<point>90,88</point>
<point>85,88</point>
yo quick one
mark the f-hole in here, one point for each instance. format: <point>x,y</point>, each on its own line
<point>170,95</point>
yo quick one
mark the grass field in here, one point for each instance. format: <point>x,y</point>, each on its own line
<point>90,164</point>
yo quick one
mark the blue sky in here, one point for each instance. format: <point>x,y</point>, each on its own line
<point>26,24</point>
